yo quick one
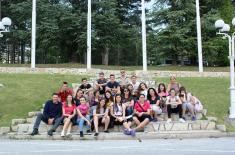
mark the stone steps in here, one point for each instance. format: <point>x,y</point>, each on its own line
<point>120,136</point>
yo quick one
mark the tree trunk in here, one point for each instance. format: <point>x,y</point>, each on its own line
<point>22,53</point>
<point>105,56</point>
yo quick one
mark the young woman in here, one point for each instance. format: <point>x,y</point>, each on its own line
<point>78,95</point>
<point>174,105</point>
<point>154,100</point>
<point>187,105</point>
<point>83,115</point>
<point>173,84</point>
<point>118,114</point>
<point>142,111</point>
<point>128,101</point>
<point>198,107</point>
<point>108,99</point>
<point>143,89</point>
<point>69,112</point>
<point>94,101</point>
<point>162,93</point>
<point>100,115</point>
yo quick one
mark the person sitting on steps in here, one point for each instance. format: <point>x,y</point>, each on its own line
<point>52,115</point>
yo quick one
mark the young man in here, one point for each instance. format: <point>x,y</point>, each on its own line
<point>85,87</point>
<point>64,92</point>
<point>123,80</point>
<point>101,83</point>
<point>134,83</point>
<point>113,85</point>
<point>52,115</point>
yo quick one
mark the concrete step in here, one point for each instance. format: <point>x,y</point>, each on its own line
<point>18,121</point>
<point>175,117</point>
<point>151,127</point>
<point>33,113</point>
<point>120,136</point>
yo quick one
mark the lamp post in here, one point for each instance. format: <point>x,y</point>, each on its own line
<point>33,35</point>
<point>5,25</point>
<point>144,50</point>
<point>223,30</point>
<point>89,35</point>
<point>199,37</point>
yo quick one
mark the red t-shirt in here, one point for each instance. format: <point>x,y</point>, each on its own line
<point>84,109</point>
<point>145,106</point>
<point>63,95</point>
<point>69,109</point>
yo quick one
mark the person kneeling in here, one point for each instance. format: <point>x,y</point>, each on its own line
<point>51,115</point>
<point>100,115</point>
<point>142,113</point>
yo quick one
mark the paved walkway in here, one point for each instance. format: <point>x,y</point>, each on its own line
<point>211,146</point>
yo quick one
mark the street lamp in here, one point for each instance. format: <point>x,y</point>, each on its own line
<point>5,25</point>
<point>223,30</point>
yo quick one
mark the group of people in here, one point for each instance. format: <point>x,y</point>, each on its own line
<point>122,101</point>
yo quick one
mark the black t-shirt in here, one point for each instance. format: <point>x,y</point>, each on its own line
<point>99,81</point>
<point>88,86</point>
<point>155,100</point>
<point>113,85</point>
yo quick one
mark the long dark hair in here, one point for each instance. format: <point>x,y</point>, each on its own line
<point>115,105</point>
<point>148,94</point>
<point>183,89</point>
<point>77,92</point>
<point>129,92</point>
<point>99,106</point>
<point>159,89</point>
<point>72,102</point>
<point>108,99</point>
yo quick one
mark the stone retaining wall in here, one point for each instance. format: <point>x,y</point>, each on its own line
<point>94,72</point>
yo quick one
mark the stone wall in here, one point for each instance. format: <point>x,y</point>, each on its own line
<point>94,72</point>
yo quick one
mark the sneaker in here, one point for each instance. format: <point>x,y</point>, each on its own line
<point>50,133</point>
<point>127,132</point>
<point>182,120</point>
<point>81,134</point>
<point>154,120</point>
<point>168,120</point>
<point>194,118</point>
<point>132,132</point>
<point>96,134</point>
<point>62,134</point>
<point>106,131</point>
<point>68,134</point>
<point>35,132</point>
<point>88,131</point>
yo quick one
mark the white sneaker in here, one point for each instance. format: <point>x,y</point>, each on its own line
<point>62,134</point>
<point>68,134</point>
<point>169,120</point>
<point>182,120</point>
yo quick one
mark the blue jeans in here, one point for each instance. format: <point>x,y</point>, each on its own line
<point>81,122</point>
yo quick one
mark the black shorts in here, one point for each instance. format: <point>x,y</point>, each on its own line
<point>73,120</point>
<point>143,117</point>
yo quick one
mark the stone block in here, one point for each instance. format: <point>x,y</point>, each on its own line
<point>23,128</point>
<point>18,121</point>
<point>168,126</point>
<point>14,128</point>
<point>31,120</point>
<point>180,127</point>
<point>196,125</point>
<point>156,126</point>
<point>221,127</point>
<point>33,113</point>
<point>4,130</point>
<point>162,127</point>
<point>211,126</point>
<point>149,128</point>
<point>209,118</point>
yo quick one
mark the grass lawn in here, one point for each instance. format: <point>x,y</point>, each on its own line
<point>165,68</point>
<point>27,92</point>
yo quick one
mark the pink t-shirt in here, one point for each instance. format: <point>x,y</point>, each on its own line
<point>84,109</point>
<point>145,106</point>
<point>161,94</point>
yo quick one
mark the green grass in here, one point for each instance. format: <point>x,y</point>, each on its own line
<point>132,68</point>
<point>27,92</point>
<point>212,92</point>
